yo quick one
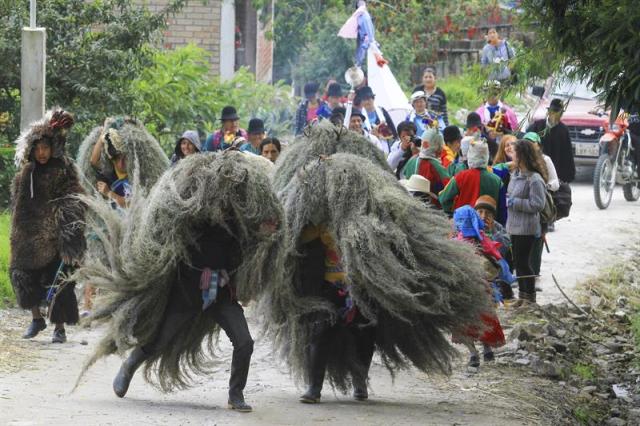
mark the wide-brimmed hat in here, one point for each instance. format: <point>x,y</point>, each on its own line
<point>255,126</point>
<point>311,89</point>
<point>334,90</point>
<point>486,202</point>
<point>357,112</point>
<point>416,183</point>
<point>474,120</point>
<point>365,92</point>
<point>556,105</point>
<point>229,113</point>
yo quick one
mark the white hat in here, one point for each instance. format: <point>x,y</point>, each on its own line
<point>478,155</point>
<point>417,95</point>
<point>416,183</point>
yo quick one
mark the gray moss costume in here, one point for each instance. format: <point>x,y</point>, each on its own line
<point>410,283</point>
<point>142,149</point>
<point>47,220</point>
<point>210,210</point>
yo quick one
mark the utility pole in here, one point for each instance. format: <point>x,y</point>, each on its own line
<point>33,70</point>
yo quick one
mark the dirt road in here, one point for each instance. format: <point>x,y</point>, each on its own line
<point>36,376</point>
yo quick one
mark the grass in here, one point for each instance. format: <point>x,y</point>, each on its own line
<point>584,371</point>
<point>6,292</point>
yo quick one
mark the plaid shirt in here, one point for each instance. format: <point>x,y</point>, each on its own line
<point>301,115</point>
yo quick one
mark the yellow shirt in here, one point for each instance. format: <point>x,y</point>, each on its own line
<point>334,271</point>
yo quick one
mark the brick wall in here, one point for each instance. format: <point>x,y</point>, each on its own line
<point>197,23</point>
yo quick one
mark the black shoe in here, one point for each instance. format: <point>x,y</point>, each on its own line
<point>474,361</point>
<point>311,396</point>
<point>37,325</point>
<point>125,374</point>
<point>360,393</point>
<point>237,403</point>
<point>59,336</point>
<point>488,356</point>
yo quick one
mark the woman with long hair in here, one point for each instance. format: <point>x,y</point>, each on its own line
<point>503,166</point>
<point>525,200</point>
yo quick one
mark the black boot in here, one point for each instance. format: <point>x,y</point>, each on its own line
<point>239,372</point>
<point>128,368</point>
<point>36,326</point>
<point>317,366</point>
<point>360,391</point>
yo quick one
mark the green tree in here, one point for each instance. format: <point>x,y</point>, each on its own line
<point>598,38</point>
<point>94,49</point>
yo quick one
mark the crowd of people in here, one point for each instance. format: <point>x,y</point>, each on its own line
<point>175,244</point>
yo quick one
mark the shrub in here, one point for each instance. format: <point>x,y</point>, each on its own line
<point>6,292</point>
<point>7,171</point>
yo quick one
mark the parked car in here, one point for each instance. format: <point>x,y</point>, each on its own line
<point>581,116</point>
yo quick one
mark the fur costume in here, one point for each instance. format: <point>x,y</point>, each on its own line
<point>140,147</point>
<point>145,247</point>
<point>323,139</point>
<point>405,275</point>
<point>47,220</point>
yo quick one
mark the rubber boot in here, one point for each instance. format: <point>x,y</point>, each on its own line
<point>127,370</point>
<point>238,380</point>
<point>317,366</point>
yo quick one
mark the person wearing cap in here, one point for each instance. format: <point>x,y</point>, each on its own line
<point>427,163</point>
<point>229,135</point>
<point>378,121</point>
<point>553,183</point>
<point>436,99</point>
<point>420,115</point>
<point>556,142</point>
<point>465,187</point>
<point>334,100</point>
<point>308,108</point>
<point>451,149</point>
<point>189,143</point>
<point>256,135</point>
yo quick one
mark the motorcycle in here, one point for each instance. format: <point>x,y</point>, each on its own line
<point>616,164</point>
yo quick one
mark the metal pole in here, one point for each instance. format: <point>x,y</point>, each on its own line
<point>32,13</point>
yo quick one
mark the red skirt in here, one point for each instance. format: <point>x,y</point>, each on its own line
<point>492,332</point>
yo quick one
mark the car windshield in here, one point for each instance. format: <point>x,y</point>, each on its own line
<point>577,89</point>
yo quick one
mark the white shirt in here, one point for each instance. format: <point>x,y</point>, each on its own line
<point>553,183</point>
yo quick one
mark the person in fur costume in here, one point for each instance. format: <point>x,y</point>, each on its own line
<point>399,283</point>
<point>47,232</point>
<point>208,235</point>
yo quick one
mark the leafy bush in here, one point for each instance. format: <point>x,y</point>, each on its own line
<point>6,292</point>
<point>177,93</point>
<point>7,171</point>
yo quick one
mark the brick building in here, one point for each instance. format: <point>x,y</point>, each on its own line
<point>229,30</point>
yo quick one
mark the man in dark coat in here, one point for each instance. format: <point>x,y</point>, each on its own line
<point>47,232</point>
<point>556,142</point>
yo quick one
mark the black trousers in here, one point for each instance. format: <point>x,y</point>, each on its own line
<point>523,247</point>
<point>230,316</point>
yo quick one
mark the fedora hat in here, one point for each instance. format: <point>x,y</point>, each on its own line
<point>416,183</point>
<point>229,113</point>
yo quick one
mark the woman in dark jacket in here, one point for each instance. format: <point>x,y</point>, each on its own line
<point>436,99</point>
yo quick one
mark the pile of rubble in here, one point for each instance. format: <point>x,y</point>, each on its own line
<point>589,350</point>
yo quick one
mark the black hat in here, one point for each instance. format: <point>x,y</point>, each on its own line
<point>229,113</point>
<point>334,90</point>
<point>310,89</point>
<point>359,113</point>
<point>365,92</point>
<point>255,126</point>
<point>556,105</point>
<point>474,120</point>
<point>451,133</point>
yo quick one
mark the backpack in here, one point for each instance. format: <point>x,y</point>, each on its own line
<point>549,212</point>
<point>562,200</point>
